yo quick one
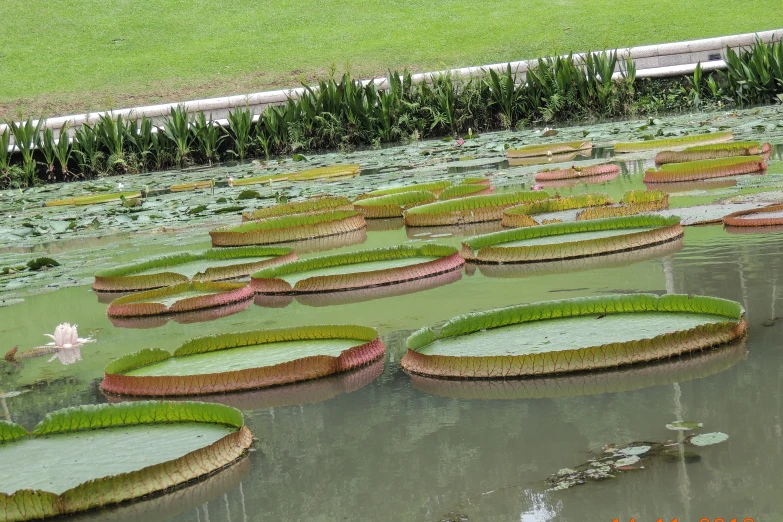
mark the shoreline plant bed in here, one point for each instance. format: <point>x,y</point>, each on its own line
<point>675,142</point>
<point>182,297</point>
<point>616,260</point>
<point>572,240</point>
<point>577,172</point>
<point>549,149</point>
<point>685,368</point>
<point>592,333</point>
<point>392,205</point>
<point>705,169</point>
<point>472,209</point>
<point>768,216</point>
<point>520,215</point>
<point>330,173</point>
<point>288,228</point>
<point>355,270</point>
<point>210,265</point>
<point>113,453</point>
<point>94,199</point>
<point>633,202</point>
<point>309,206</point>
<point>716,151</point>
<point>244,361</point>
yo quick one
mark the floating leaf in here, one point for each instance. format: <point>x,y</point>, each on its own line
<point>683,425</point>
<point>635,450</point>
<point>708,439</point>
<point>627,461</point>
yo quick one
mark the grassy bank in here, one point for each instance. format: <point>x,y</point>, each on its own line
<point>81,55</point>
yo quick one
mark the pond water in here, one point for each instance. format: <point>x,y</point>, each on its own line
<point>378,444</point>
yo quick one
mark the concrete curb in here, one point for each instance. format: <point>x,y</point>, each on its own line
<point>652,61</point>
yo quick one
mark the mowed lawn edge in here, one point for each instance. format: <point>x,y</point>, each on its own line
<point>86,55</point>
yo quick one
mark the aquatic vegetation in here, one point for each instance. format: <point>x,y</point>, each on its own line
<point>717,151</point>
<point>678,141</point>
<point>333,172</point>
<point>592,333</point>
<point>519,215</point>
<point>288,228</point>
<point>543,160</point>
<point>471,209</point>
<point>687,186</point>
<point>244,361</point>
<point>93,199</point>
<point>183,442</point>
<point>393,205</point>
<point>754,75</point>
<point>768,216</point>
<point>633,202</point>
<point>467,189</point>
<point>202,315</point>
<point>685,368</point>
<point>549,149</point>
<point>705,169</point>
<point>194,185</point>
<point>210,265</point>
<point>436,187</point>
<point>308,206</point>
<point>577,172</point>
<point>182,297</point>
<point>354,270</point>
<point>571,240</point>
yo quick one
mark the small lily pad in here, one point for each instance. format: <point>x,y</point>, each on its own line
<point>627,461</point>
<point>634,450</point>
<point>708,439</point>
<point>683,425</point>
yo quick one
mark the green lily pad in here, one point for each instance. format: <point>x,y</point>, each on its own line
<point>683,425</point>
<point>635,450</point>
<point>708,439</point>
<point>627,461</point>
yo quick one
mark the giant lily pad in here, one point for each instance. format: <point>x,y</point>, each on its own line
<point>705,169</point>
<point>204,315</point>
<point>571,240</point>
<point>354,270</point>
<point>616,380</point>
<point>435,187</point>
<point>86,457</point>
<point>392,205</point>
<point>633,202</point>
<point>549,149</point>
<point>769,216</point>
<point>330,173</point>
<point>573,335</point>
<point>520,215</point>
<point>472,209</point>
<point>244,361</point>
<point>182,297</point>
<point>288,228</point>
<point>564,266</point>
<point>359,295</point>
<point>326,204</point>
<point>717,151</point>
<point>93,199</point>
<point>466,189</point>
<point>577,172</point>
<point>677,142</point>
<point>211,265</point>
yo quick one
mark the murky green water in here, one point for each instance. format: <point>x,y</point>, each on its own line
<point>380,445</point>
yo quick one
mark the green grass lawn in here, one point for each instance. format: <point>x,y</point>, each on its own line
<point>77,55</point>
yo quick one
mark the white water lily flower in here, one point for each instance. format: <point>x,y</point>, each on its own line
<point>67,343</point>
<point>120,185</point>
